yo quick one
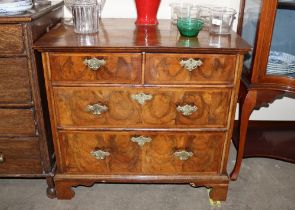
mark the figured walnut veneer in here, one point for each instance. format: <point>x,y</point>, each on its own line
<point>215,69</point>
<point>160,111</point>
<point>144,110</point>
<point>119,68</point>
<point>156,156</point>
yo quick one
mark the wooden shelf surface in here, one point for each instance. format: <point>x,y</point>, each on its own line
<point>270,139</point>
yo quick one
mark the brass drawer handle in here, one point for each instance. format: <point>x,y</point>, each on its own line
<point>191,64</point>
<point>100,154</point>
<point>1,157</point>
<point>94,63</point>
<point>97,109</point>
<point>183,155</point>
<point>141,97</point>
<point>187,110</point>
<point>141,140</point>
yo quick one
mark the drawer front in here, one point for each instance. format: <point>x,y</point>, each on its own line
<point>189,69</point>
<point>141,107</point>
<point>98,68</point>
<point>17,122</point>
<point>141,152</point>
<point>14,81</point>
<point>19,157</point>
<point>11,39</point>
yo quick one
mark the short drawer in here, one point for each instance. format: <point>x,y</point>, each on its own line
<point>141,152</point>
<point>14,81</point>
<point>141,107</point>
<point>20,157</point>
<point>96,68</point>
<point>190,69</point>
<point>11,39</point>
<point>17,122</point>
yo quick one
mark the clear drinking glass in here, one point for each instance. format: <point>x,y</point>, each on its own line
<point>205,14</point>
<point>175,6</point>
<point>188,10</point>
<point>85,15</point>
<point>221,20</point>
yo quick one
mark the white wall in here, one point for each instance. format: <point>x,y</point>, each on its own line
<point>126,8</point>
<point>283,109</point>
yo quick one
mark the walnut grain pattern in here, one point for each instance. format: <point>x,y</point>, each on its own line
<point>161,111</point>
<point>119,68</point>
<point>155,157</point>
<point>166,68</point>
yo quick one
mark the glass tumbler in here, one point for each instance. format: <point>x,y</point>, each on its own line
<point>175,7</point>
<point>221,20</point>
<point>205,14</point>
<point>85,13</point>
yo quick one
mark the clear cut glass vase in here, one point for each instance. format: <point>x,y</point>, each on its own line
<point>69,5</point>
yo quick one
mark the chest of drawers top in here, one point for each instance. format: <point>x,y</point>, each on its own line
<point>122,35</point>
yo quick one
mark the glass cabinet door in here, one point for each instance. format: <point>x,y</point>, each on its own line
<point>281,60</point>
<point>251,17</point>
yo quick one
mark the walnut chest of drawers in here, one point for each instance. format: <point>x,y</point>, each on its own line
<point>141,104</point>
<point>26,149</point>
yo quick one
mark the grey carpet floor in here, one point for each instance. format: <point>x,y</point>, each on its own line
<point>263,184</point>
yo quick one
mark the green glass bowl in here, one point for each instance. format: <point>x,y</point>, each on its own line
<point>189,27</point>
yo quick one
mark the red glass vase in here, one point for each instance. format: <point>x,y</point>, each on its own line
<point>147,12</point>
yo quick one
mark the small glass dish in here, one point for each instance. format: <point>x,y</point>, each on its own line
<point>189,27</point>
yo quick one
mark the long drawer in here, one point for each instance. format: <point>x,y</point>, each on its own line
<point>96,68</point>
<point>20,156</point>
<point>141,107</point>
<point>141,152</point>
<point>14,81</point>
<point>17,122</point>
<point>190,69</point>
<point>11,39</point>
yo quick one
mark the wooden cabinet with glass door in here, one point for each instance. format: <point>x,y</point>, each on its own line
<point>269,74</point>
